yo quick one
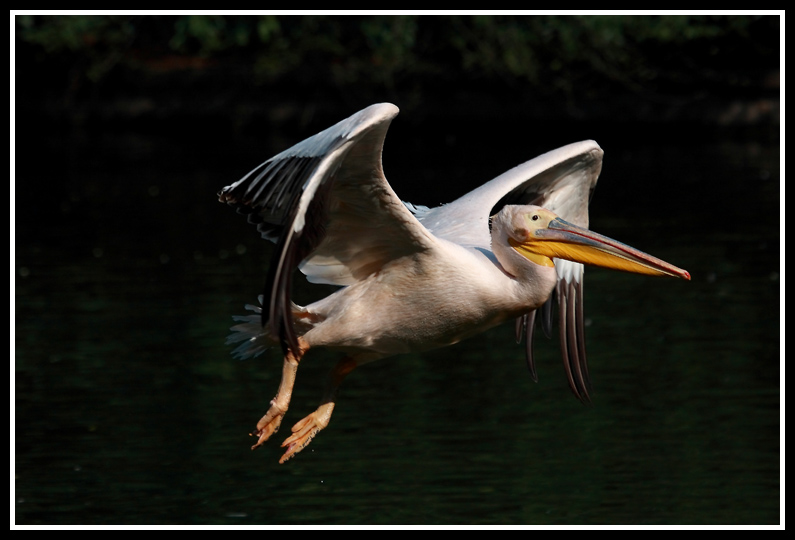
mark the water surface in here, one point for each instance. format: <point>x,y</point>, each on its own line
<point>129,408</point>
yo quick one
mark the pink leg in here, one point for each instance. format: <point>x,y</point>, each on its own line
<point>269,424</point>
<point>305,430</point>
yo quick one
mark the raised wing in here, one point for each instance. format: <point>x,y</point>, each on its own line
<point>326,204</point>
<point>562,181</point>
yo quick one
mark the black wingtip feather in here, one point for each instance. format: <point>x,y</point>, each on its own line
<point>572,340</point>
<point>529,324</point>
<point>546,316</point>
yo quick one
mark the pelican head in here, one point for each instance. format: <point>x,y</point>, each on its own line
<point>540,235</point>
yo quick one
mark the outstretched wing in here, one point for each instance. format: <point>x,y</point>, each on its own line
<point>562,181</point>
<point>327,205</point>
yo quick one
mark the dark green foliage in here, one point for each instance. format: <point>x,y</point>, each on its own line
<point>549,52</point>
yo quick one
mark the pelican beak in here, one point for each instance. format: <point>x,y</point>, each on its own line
<point>565,240</point>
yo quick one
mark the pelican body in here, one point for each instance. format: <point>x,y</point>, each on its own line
<point>414,278</point>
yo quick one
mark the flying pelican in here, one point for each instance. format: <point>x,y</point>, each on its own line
<point>414,278</point>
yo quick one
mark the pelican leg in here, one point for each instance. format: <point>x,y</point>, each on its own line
<point>305,430</point>
<point>269,424</point>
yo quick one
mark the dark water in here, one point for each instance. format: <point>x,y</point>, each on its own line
<point>129,408</point>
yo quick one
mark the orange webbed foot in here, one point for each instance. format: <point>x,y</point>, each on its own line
<point>268,425</point>
<point>303,433</point>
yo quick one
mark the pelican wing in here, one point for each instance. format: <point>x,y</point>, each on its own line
<point>562,181</point>
<point>327,205</point>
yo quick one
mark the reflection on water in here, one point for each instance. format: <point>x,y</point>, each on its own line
<point>129,408</point>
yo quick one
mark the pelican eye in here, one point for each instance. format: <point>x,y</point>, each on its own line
<point>535,217</point>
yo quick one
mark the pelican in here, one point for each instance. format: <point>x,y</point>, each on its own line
<point>414,278</point>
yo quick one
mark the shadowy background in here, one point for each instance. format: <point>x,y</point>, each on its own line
<point>128,406</point>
